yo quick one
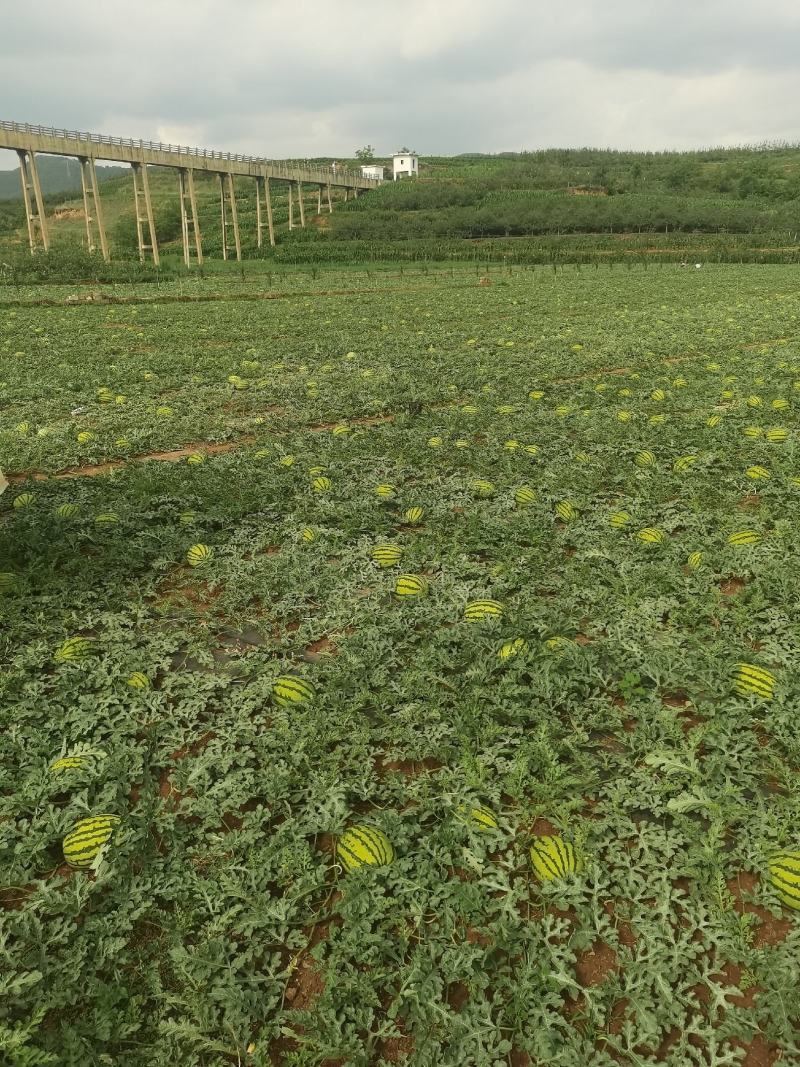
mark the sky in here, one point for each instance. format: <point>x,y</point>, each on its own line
<point>303,78</point>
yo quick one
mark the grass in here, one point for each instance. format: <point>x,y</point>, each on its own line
<point>217,926</point>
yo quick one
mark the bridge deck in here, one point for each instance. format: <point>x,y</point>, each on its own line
<point>20,135</point>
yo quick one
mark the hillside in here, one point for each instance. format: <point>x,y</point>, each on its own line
<point>57,174</point>
<point>578,205</point>
<point>614,198</point>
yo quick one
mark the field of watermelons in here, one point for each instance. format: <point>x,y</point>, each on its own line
<point>402,670</point>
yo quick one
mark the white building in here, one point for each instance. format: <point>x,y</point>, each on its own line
<point>372,171</point>
<point>405,164</point>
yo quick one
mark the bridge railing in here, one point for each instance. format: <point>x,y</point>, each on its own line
<point>182,150</point>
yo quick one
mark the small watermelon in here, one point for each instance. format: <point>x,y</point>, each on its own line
<point>199,554</point>
<point>387,555</point>
<point>74,650</point>
<point>413,516</point>
<point>481,817</point>
<point>784,875</point>
<point>483,609</point>
<point>513,648</point>
<point>364,846</point>
<point>757,473</point>
<point>750,680</point>
<point>87,838</point>
<point>566,511</point>
<point>553,857</point>
<point>744,537</point>
<point>525,496</point>
<point>408,585</point>
<point>291,689</point>
<point>650,535</point>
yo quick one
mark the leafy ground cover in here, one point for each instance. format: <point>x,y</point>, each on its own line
<point>607,458</point>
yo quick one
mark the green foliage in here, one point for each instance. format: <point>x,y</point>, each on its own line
<point>70,263</point>
<point>217,926</point>
<point>168,227</point>
<point>470,200</point>
<point>309,247</point>
<point>630,687</point>
<point>530,213</point>
<point>12,216</point>
<point>548,207</point>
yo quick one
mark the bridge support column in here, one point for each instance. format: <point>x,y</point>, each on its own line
<point>330,202</point>
<point>198,240</point>
<point>26,196</point>
<point>40,211</point>
<point>189,217</point>
<point>262,190</point>
<point>98,212</point>
<point>234,218</point>
<point>319,200</point>
<point>82,163</point>
<point>259,223</point>
<point>184,216</point>
<point>221,178</point>
<point>302,205</point>
<point>227,193</point>
<point>137,212</point>
<point>291,205</point>
<point>90,190</point>
<point>141,189</point>
<point>34,203</point>
<point>268,201</point>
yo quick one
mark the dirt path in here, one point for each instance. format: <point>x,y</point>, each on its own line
<point>206,448</point>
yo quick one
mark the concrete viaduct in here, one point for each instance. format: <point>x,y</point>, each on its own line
<point>27,140</point>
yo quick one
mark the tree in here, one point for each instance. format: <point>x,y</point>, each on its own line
<point>168,227</point>
<point>365,154</point>
<point>681,175</point>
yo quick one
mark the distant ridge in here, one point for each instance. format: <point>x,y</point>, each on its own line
<point>57,174</point>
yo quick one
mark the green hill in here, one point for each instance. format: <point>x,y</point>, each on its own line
<point>573,204</point>
<point>558,205</point>
<point>58,174</point>
<point>584,191</point>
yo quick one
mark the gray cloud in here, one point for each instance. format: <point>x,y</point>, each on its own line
<point>318,77</point>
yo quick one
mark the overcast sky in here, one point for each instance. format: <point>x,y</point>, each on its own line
<point>300,78</point>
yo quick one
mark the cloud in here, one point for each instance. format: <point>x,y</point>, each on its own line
<point>319,77</point>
